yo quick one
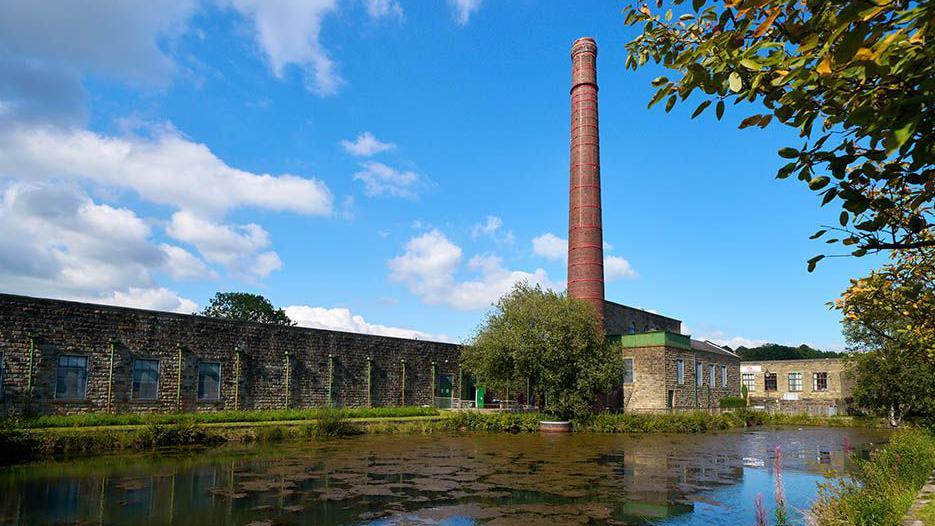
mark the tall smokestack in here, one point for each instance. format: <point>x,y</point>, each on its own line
<point>585,236</point>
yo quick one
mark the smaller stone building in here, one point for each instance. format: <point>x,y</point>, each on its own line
<point>818,386</point>
<point>668,371</point>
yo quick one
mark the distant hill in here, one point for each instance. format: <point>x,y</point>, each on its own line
<point>773,351</point>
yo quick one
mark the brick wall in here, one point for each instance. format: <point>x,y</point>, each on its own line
<point>181,342</point>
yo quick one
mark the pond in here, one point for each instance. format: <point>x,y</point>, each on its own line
<point>580,478</point>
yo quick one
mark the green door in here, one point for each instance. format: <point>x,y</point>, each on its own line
<point>443,391</point>
<point>479,393</point>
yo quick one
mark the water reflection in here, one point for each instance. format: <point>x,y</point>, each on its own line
<point>500,479</point>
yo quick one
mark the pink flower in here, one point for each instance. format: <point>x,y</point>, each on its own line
<point>760,510</point>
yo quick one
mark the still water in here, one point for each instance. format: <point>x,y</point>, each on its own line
<point>527,479</point>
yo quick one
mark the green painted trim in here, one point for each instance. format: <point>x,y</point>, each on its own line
<point>178,382</point>
<point>434,372</point>
<point>288,381</point>
<point>460,384</point>
<point>330,379</point>
<point>402,393</point>
<point>653,339</point>
<point>29,372</point>
<point>236,379</point>
<point>369,381</point>
<point>110,378</point>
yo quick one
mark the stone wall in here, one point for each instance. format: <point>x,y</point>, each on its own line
<point>655,374</point>
<point>620,319</point>
<point>839,384</point>
<point>262,366</point>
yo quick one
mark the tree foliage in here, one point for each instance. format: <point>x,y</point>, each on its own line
<point>245,307</point>
<point>774,351</point>
<point>889,321</point>
<point>553,341</point>
<point>855,77</point>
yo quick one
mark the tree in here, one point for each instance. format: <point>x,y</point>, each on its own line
<point>246,307</point>
<point>889,321</point>
<point>855,77</point>
<point>549,339</point>
<point>775,351</point>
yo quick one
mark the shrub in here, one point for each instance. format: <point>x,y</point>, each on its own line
<point>883,487</point>
<point>332,423</point>
<point>733,402</point>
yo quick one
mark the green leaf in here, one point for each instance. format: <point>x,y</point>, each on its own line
<point>735,82</point>
<point>829,196</point>
<point>701,107</point>
<point>819,182</point>
<point>697,4</point>
<point>659,81</point>
<point>818,234</point>
<point>670,103</point>
<point>814,261</point>
<point>719,109</point>
<point>750,63</point>
<point>788,153</point>
<point>843,218</point>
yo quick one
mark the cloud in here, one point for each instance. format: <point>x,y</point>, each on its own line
<point>491,225</point>
<point>58,242</point>
<point>463,9</point>
<point>342,319</point>
<point>380,179</point>
<point>378,9</point>
<point>616,267</point>
<point>554,248</point>
<point>165,169</point>
<point>430,261</point>
<point>720,338</point>
<point>160,299</point>
<point>550,247</point>
<point>288,33</point>
<point>366,145</point>
<point>119,39</point>
<point>240,248</point>
<point>182,264</point>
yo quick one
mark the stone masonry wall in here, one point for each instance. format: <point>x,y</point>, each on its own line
<point>619,319</point>
<point>253,378</point>
<point>655,375</point>
<point>808,400</point>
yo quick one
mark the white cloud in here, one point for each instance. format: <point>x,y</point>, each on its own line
<point>57,242</point>
<point>342,319</point>
<point>161,299</point>
<point>720,338</point>
<point>288,32</point>
<point>616,267</point>
<point>240,248</point>
<point>463,9</point>
<point>366,145</point>
<point>491,225</point>
<point>380,179</point>
<point>165,169</point>
<point>120,39</point>
<point>182,264</point>
<point>550,246</point>
<point>429,264</point>
<point>378,9</point>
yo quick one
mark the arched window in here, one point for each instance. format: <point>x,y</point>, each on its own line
<point>632,329</point>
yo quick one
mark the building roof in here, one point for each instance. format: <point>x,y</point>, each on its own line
<point>707,346</point>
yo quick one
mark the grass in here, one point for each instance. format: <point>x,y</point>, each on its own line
<point>884,486</point>
<point>927,514</point>
<point>273,415</point>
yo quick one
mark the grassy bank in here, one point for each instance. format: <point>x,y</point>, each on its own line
<point>884,486</point>
<point>275,415</point>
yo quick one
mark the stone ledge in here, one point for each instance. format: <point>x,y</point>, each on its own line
<point>925,495</point>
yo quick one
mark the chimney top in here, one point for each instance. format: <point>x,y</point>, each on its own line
<point>584,45</point>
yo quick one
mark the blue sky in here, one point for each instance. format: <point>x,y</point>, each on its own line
<point>380,166</point>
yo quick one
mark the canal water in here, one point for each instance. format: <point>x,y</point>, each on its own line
<point>527,479</point>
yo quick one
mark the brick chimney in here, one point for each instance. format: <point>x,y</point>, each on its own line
<point>585,237</point>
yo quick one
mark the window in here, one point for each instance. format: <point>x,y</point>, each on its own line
<point>699,374</point>
<point>628,371</point>
<point>795,382</point>
<point>820,382</point>
<point>749,381</point>
<point>723,376</point>
<point>209,381</point>
<point>680,372</point>
<point>632,329</point>
<point>72,379</point>
<point>145,380</point>
<point>770,382</point>
<point>712,377</point>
